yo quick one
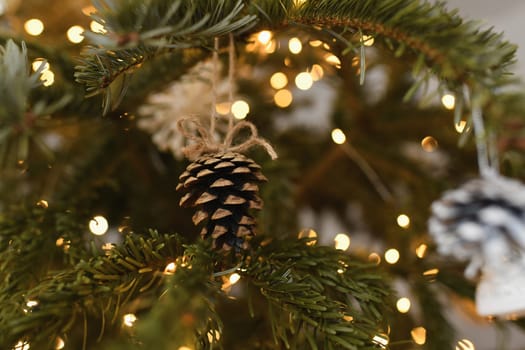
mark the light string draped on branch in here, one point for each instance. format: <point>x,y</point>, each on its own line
<point>203,140</point>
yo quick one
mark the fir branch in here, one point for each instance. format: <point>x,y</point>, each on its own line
<point>101,285</point>
<point>322,289</point>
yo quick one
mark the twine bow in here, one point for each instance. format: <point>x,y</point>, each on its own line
<point>204,142</point>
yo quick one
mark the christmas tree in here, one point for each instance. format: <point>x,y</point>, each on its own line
<point>256,174</point>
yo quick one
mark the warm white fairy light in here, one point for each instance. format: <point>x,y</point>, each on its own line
<point>96,27</point>
<point>89,10</point>
<point>34,27</point>
<point>264,37</point>
<point>403,305</point>
<point>75,34</point>
<point>278,80</point>
<point>421,250</point>
<point>342,241</point>
<point>304,81</point>
<point>429,144</point>
<point>47,78</point>
<point>184,348</point>
<point>98,225</point>
<point>234,278</point>
<point>368,40</point>
<point>317,72</point>
<point>283,98</point>
<point>419,335</point>
<point>465,344</point>
<point>308,233</point>
<point>32,303</point>
<point>59,343</point>
<point>460,126</point>
<point>170,268</point>
<point>333,60</point>
<point>129,319</point>
<point>374,258</point>
<point>37,64</point>
<point>213,335</point>
<point>42,203</point>
<point>315,43</point>
<point>381,340</point>
<point>295,46</point>
<point>392,256</point>
<point>240,109</point>
<point>449,101</point>
<point>223,108</point>
<point>338,136</point>
<point>431,272</point>
<point>403,221</point>
<point>22,345</point>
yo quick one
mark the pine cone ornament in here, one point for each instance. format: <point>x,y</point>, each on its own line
<point>224,188</point>
<point>483,222</point>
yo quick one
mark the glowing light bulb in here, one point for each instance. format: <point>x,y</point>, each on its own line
<point>21,345</point>
<point>403,221</point>
<point>184,348</point>
<point>317,72</point>
<point>98,225</point>
<point>75,34</point>
<point>234,278</point>
<point>278,80</point>
<point>460,126</point>
<point>342,241</point>
<point>431,272</point>
<point>333,60</point>
<point>449,101</point>
<point>381,339</point>
<point>315,43</point>
<point>223,108</point>
<point>264,37</point>
<point>240,109</point>
<point>213,335</point>
<point>308,233</point>
<point>34,27</point>
<point>96,27</point>
<point>170,268</point>
<point>59,242</point>
<point>59,343</point>
<point>392,256</point>
<point>37,63</point>
<point>295,46</point>
<point>465,344</point>
<point>403,305</point>
<point>368,40</point>
<point>89,10</point>
<point>129,319</point>
<point>283,98</point>
<point>421,250</point>
<point>429,144</point>
<point>32,303</point>
<point>304,81</point>
<point>338,136</point>
<point>47,78</point>
<point>419,335</point>
<point>42,203</point>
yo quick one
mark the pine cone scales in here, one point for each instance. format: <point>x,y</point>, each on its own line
<point>223,187</point>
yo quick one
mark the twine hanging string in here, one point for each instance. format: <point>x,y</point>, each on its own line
<point>202,140</point>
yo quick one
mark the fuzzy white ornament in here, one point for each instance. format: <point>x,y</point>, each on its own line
<point>192,95</point>
<point>483,222</point>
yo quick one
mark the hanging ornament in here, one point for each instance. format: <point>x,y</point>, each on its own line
<point>223,186</point>
<point>483,222</point>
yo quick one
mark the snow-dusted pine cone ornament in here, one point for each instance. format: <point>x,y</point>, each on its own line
<point>223,187</point>
<point>483,222</point>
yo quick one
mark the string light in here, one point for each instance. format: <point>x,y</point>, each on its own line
<point>283,98</point>
<point>333,60</point>
<point>170,268</point>
<point>37,64</point>
<point>304,81</point>
<point>21,345</point>
<point>185,348</point>
<point>278,80</point>
<point>308,233</point>
<point>75,34</point>
<point>89,10</point>
<point>317,72</point>
<point>460,126</point>
<point>419,335</point>
<point>338,136</point>
<point>392,256</point>
<point>342,241</point>
<point>295,46</point>
<point>449,101</point>
<point>403,221</point>
<point>129,319</point>
<point>374,258</point>
<point>240,109</point>
<point>465,344</point>
<point>34,27</point>
<point>429,144</point>
<point>213,335</point>
<point>264,37</point>
<point>403,305</point>
<point>42,203</point>
<point>59,242</point>
<point>223,108</point>
<point>234,278</point>
<point>59,343</point>
<point>431,272</point>
<point>315,43</point>
<point>98,225</point>
<point>348,318</point>
<point>32,303</point>
<point>421,250</point>
<point>270,47</point>
<point>368,40</point>
<point>96,27</point>
<point>47,78</point>
<point>381,339</point>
